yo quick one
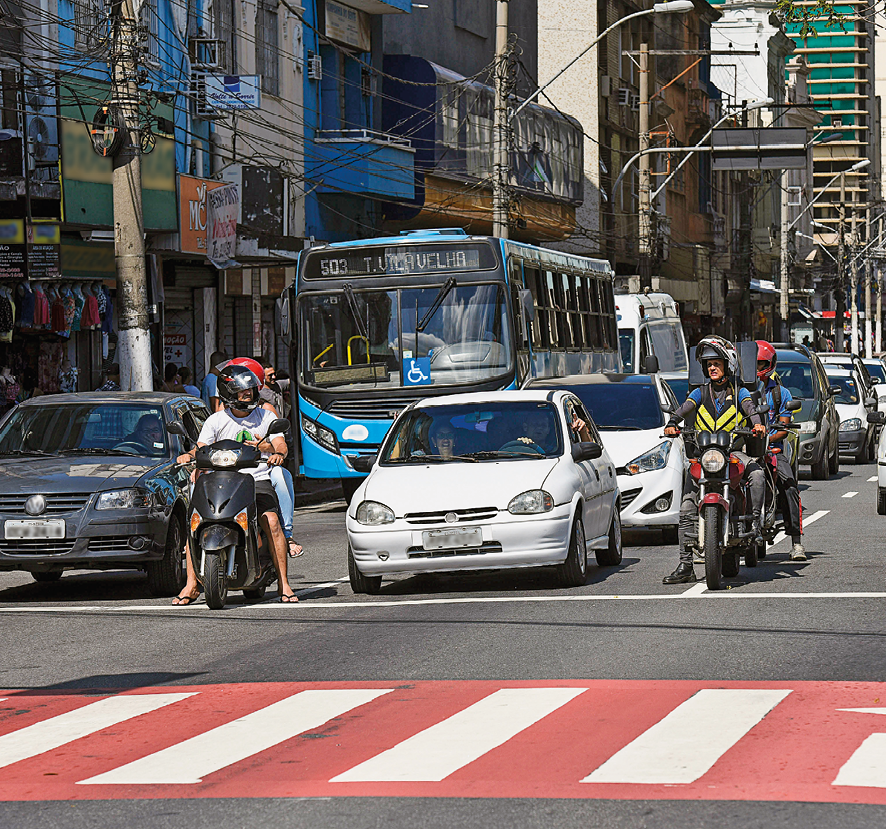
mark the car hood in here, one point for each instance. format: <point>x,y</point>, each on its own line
<point>93,473</point>
<point>455,485</point>
<point>847,410</point>
<point>625,446</point>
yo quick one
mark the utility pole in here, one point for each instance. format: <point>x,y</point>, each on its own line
<point>134,341</point>
<point>868,332</point>
<point>841,254</point>
<point>853,278</point>
<point>879,266</point>
<point>645,171</point>
<point>784,298</point>
<point>500,124</point>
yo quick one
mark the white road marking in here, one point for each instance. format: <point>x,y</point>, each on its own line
<point>65,728</point>
<point>444,748</point>
<point>696,590</point>
<point>690,739</point>
<point>806,522</point>
<point>867,766</point>
<point>872,479</point>
<point>849,494</point>
<point>189,761</point>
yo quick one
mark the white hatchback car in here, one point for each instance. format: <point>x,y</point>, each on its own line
<point>857,437</point>
<point>486,481</point>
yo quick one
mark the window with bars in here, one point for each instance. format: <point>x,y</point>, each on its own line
<point>88,17</point>
<point>223,18</point>
<point>149,19</point>
<point>267,47</point>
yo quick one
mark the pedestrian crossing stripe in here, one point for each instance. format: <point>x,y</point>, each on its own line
<point>814,741</point>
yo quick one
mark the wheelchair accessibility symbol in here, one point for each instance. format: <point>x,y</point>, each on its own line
<point>417,372</point>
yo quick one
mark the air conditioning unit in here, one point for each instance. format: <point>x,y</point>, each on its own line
<point>198,93</point>
<point>605,86</point>
<point>635,102</point>
<point>315,67</point>
<point>624,97</point>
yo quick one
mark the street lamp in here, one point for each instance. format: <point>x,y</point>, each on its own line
<point>499,200</point>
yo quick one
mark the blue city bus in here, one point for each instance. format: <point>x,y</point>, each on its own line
<point>375,324</point>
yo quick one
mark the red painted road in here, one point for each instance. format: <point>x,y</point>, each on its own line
<point>521,739</point>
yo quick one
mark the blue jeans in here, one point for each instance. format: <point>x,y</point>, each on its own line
<point>281,478</point>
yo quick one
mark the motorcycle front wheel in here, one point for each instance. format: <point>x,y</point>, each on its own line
<point>713,551</point>
<point>215,582</point>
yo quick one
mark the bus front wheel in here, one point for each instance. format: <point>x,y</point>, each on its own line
<point>349,487</point>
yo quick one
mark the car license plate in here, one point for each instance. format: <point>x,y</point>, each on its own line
<point>35,529</point>
<point>456,537</point>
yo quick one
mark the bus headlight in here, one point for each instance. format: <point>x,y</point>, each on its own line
<point>319,434</point>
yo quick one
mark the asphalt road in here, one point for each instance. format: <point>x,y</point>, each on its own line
<point>630,649</point>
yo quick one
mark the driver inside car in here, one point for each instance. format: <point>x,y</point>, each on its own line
<point>148,433</point>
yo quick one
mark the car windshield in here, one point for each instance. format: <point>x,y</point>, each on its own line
<point>797,378</point>
<point>369,337</point>
<point>98,428</point>
<point>475,432</point>
<point>626,344</point>
<point>617,406</point>
<point>848,389</point>
<point>668,345</point>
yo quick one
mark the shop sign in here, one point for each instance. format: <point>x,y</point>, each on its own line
<point>225,92</point>
<point>221,236</point>
<point>44,250</point>
<point>176,348</point>
<point>192,212</point>
<point>13,251</point>
<point>348,26</point>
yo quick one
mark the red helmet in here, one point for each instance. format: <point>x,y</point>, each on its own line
<point>765,351</point>
<point>253,365</point>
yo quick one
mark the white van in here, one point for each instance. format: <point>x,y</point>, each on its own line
<point>649,324</point>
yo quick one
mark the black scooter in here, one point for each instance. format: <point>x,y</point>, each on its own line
<point>229,549</point>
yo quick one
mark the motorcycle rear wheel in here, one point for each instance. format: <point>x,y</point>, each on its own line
<point>215,582</point>
<point>713,552</point>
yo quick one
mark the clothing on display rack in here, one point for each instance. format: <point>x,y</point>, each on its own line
<point>42,315</point>
<point>90,318</point>
<point>108,318</point>
<point>67,377</point>
<point>7,314</point>
<point>80,304</point>
<point>26,298</point>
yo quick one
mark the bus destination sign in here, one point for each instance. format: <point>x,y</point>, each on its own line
<point>398,260</point>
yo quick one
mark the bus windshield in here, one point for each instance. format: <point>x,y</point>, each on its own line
<point>364,337</point>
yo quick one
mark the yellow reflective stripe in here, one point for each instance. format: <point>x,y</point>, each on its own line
<point>725,422</point>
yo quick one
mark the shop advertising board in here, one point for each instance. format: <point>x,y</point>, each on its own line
<point>13,250</point>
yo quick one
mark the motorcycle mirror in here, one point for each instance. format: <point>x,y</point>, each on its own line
<point>176,427</point>
<point>877,417</point>
<point>281,424</point>
<point>763,408</point>
<point>793,406</point>
<point>834,390</point>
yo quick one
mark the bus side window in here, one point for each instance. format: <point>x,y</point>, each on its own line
<point>550,300</point>
<point>645,349</point>
<point>570,282</point>
<point>588,323</point>
<point>538,326</point>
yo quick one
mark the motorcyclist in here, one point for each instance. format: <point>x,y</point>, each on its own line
<point>243,419</point>
<point>777,396</point>
<point>716,409</point>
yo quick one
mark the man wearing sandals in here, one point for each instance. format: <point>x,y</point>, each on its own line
<point>244,420</point>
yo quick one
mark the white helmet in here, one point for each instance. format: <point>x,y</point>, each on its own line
<point>716,348</point>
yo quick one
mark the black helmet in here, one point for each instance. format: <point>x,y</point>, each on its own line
<point>232,380</point>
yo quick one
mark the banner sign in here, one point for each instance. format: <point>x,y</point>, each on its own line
<point>221,236</point>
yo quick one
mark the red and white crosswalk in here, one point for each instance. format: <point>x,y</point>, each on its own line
<point>816,741</point>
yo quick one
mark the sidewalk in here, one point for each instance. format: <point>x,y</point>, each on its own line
<point>309,491</point>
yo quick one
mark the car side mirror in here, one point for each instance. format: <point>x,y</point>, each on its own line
<point>650,364</point>
<point>667,407</point>
<point>362,463</point>
<point>877,417</point>
<point>587,450</point>
<point>278,426</point>
<point>876,381</point>
<point>870,401</point>
<point>834,390</point>
<point>176,427</point>
<point>793,405</point>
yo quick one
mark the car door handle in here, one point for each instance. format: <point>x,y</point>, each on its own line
<point>596,473</point>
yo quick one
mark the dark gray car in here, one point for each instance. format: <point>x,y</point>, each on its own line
<point>89,481</point>
<point>802,373</point>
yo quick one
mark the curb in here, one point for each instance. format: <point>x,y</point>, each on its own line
<point>317,494</point>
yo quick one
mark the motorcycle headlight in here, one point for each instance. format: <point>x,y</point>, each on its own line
<point>373,513</point>
<point>853,424</point>
<point>124,499</point>
<point>224,457</point>
<point>531,503</point>
<point>713,460</point>
<point>319,434</point>
<point>656,458</point>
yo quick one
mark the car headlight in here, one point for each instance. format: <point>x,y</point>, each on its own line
<point>319,434</point>
<point>530,503</point>
<point>124,499</point>
<point>372,513</point>
<point>656,458</point>
<point>808,426</point>
<point>853,424</point>
<point>224,457</point>
<point>713,460</point>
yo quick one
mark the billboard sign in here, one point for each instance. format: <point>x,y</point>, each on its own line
<point>224,92</point>
<point>759,148</point>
